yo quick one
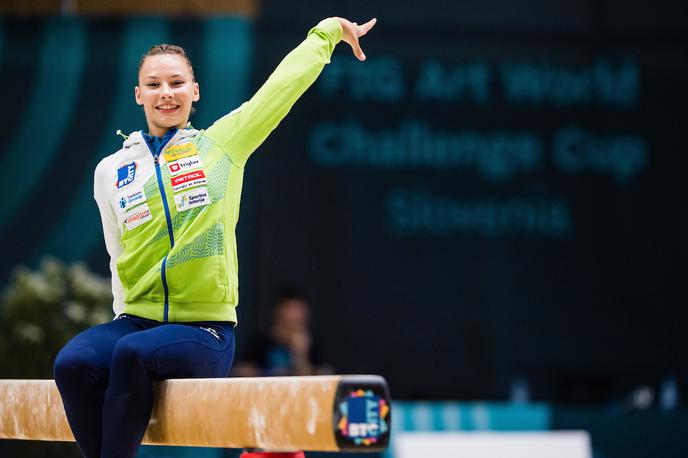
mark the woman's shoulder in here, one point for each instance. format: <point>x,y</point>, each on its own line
<point>123,155</point>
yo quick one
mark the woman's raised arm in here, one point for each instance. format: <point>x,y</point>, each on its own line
<point>244,129</point>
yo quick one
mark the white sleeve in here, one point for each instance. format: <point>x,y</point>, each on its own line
<point>111,233</point>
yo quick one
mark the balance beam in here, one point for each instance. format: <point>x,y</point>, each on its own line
<point>316,413</point>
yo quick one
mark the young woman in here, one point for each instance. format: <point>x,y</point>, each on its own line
<point>169,203</point>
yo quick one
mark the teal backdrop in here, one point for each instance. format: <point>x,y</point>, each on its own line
<point>499,198</point>
<point>492,201</point>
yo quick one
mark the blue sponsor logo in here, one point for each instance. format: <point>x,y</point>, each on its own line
<point>126,174</point>
<point>364,417</point>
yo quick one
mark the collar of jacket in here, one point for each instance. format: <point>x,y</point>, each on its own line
<point>135,137</point>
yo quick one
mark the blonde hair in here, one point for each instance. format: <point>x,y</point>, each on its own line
<point>167,49</point>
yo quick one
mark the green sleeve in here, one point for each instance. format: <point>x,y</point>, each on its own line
<point>244,129</point>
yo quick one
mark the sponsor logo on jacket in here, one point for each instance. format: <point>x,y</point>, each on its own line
<point>138,216</point>
<point>129,200</point>
<point>188,180</point>
<point>184,165</point>
<point>126,175</point>
<point>191,199</point>
<point>176,152</point>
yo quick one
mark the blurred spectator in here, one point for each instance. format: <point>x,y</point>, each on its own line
<point>287,347</point>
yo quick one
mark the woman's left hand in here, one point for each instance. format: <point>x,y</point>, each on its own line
<point>352,31</point>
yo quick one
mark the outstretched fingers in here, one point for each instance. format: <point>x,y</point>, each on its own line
<point>359,31</point>
<point>364,28</point>
<point>351,32</point>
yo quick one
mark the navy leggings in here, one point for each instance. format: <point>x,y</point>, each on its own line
<point>105,376</point>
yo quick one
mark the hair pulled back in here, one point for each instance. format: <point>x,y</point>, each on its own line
<point>167,49</point>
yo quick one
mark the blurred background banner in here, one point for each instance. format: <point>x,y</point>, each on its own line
<point>489,194</point>
<point>493,192</point>
<point>487,208</point>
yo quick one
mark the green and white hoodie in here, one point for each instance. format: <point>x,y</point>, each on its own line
<point>169,221</point>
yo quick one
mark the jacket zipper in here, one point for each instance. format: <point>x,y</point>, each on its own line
<point>158,173</point>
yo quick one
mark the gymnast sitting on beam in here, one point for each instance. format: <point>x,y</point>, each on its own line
<point>169,203</point>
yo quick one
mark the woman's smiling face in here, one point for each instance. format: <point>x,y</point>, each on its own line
<point>166,90</point>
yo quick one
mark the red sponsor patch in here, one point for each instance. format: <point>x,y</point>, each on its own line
<point>189,176</point>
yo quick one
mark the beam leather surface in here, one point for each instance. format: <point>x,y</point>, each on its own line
<point>278,413</point>
<point>32,409</point>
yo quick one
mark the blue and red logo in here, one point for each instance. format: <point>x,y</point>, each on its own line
<point>364,417</point>
<point>126,174</point>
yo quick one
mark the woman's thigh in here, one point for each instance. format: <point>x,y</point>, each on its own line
<point>179,351</point>
<point>91,350</point>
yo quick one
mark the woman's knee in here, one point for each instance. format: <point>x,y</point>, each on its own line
<point>73,365</point>
<point>128,352</point>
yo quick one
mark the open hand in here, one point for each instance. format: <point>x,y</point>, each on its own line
<point>352,31</point>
